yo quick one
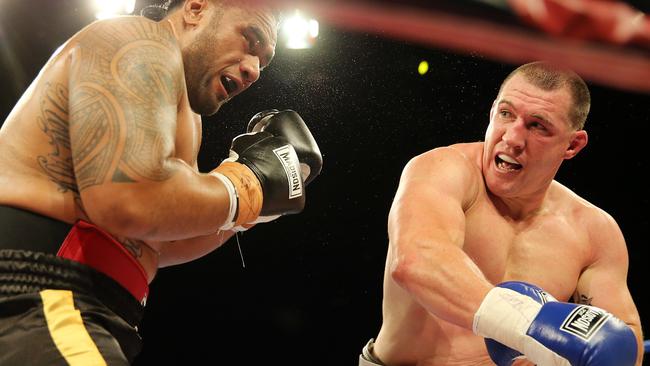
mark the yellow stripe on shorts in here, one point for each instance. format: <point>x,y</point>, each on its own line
<point>68,331</point>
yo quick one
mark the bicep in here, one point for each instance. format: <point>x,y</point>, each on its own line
<point>604,285</point>
<point>604,282</point>
<point>123,103</point>
<point>427,234</point>
<point>606,288</point>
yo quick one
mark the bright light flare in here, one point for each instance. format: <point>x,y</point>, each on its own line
<point>112,8</point>
<point>423,67</point>
<point>299,31</point>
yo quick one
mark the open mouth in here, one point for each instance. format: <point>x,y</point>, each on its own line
<point>229,84</point>
<point>506,163</point>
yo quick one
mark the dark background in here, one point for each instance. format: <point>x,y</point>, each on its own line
<point>310,291</point>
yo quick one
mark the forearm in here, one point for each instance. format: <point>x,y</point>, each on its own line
<point>444,280</point>
<point>187,250</point>
<point>187,204</point>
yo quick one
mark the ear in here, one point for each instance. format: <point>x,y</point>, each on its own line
<point>492,109</point>
<point>193,11</point>
<point>578,141</point>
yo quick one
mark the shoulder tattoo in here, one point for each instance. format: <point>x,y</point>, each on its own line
<point>125,83</point>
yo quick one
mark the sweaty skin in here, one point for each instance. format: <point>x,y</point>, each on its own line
<point>452,239</point>
<point>105,133</point>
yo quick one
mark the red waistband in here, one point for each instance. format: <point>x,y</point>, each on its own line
<point>92,246</point>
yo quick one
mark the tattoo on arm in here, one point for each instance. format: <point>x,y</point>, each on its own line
<point>133,246</point>
<point>53,121</point>
<point>124,91</point>
<point>579,298</point>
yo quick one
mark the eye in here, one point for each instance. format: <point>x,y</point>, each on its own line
<point>537,125</point>
<point>257,45</point>
<point>505,113</point>
<point>252,41</point>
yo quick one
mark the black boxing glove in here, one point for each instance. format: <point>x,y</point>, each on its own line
<point>289,125</point>
<point>275,165</point>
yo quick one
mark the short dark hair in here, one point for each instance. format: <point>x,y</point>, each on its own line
<point>275,10</point>
<point>159,10</point>
<point>548,77</point>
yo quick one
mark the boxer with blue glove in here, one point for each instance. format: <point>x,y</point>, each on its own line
<point>471,215</point>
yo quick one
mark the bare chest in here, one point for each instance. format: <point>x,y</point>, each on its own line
<point>547,250</point>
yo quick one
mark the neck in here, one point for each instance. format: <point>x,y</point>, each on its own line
<point>520,208</point>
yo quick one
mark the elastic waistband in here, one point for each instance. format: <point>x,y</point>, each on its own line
<point>367,356</point>
<point>26,230</point>
<point>82,242</point>
<point>24,271</point>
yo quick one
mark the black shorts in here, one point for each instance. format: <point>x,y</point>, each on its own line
<point>54,311</point>
<point>57,312</point>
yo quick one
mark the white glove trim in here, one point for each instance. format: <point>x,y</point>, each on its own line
<point>234,199</point>
<point>505,316</point>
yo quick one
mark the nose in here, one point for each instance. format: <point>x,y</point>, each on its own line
<point>515,135</point>
<point>249,67</point>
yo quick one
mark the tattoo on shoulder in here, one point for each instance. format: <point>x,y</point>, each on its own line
<point>584,299</point>
<point>123,101</point>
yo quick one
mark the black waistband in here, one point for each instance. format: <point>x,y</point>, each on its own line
<point>25,230</point>
<point>25,272</point>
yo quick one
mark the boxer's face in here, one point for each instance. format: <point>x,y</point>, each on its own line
<point>235,44</point>
<point>528,138</point>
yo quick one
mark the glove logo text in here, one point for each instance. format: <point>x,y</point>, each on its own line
<point>289,159</point>
<point>584,321</point>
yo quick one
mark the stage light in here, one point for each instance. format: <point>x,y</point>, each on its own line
<point>111,8</point>
<point>423,67</point>
<point>299,32</point>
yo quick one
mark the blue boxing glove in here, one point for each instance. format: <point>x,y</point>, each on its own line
<point>554,333</point>
<point>500,354</point>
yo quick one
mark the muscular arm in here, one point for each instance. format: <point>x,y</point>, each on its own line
<point>604,282</point>
<point>126,82</point>
<point>427,229</point>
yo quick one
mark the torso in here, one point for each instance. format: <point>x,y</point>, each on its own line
<point>532,250</point>
<point>36,170</point>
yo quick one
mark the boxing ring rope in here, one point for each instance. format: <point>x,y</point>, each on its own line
<point>614,65</point>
